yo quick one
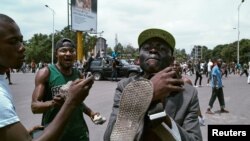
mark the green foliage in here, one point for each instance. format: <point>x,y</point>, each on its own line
<point>127,52</point>
<point>180,55</point>
<point>228,52</point>
<point>109,51</point>
<point>90,42</point>
<point>38,48</point>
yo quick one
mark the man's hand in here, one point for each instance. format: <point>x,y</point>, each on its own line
<point>37,127</point>
<point>165,82</point>
<point>98,119</point>
<point>58,100</point>
<point>93,114</point>
<point>79,90</point>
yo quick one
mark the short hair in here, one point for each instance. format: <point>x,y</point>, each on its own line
<point>61,42</point>
<point>6,18</point>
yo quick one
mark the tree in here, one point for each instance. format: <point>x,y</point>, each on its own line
<point>38,48</point>
<point>180,55</point>
<point>90,42</point>
<point>109,51</point>
<point>244,51</point>
<point>130,52</point>
<point>119,49</point>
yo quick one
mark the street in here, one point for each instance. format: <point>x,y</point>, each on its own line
<point>100,99</point>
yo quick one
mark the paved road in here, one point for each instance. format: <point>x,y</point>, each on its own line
<point>236,90</point>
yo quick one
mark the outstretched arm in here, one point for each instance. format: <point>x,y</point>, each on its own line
<point>79,90</point>
<point>88,111</point>
<point>37,104</point>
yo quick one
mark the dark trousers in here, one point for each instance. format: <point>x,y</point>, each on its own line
<point>8,76</point>
<point>225,73</point>
<point>33,70</point>
<point>114,74</point>
<point>217,92</point>
<point>244,71</point>
<point>198,75</point>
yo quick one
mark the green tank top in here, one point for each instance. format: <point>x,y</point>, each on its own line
<point>76,129</point>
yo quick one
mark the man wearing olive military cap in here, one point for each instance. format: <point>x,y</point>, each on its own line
<point>156,104</point>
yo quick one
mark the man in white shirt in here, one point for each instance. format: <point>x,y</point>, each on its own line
<point>209,68</point>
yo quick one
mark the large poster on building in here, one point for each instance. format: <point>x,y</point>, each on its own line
<point>84,15</point>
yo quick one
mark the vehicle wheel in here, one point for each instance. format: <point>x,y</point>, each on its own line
<point>97,75</point>
<point>132,74</point>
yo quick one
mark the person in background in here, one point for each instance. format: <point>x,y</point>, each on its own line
<point>12,56</point>
<point>217,88</point>
<point>198,74</point>
<point>244,70</point>
<point>248,79</point>
<point>88,63</point>
<point>40,65</point>
<point>33,66</point>
<point>8,75</point>
<point>224,69</point>
<point>209,68</point>
<point>114,70</point>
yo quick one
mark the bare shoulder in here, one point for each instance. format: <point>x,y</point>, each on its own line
<point>42,74</point>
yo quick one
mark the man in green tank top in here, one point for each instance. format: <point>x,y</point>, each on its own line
<point>47,97</point>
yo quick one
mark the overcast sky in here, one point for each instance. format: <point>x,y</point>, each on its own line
<point>192,22</point>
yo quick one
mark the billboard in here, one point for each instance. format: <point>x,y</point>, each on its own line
<point>84,15</point>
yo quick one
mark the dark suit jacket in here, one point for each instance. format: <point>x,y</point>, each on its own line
<point>181,107</point>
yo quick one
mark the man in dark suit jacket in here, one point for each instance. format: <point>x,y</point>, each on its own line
<point>157,104</point>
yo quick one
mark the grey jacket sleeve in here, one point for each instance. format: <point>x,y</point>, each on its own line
<point>190,128</point>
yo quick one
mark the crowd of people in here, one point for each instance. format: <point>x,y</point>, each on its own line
<point>203,68</point>
<point>158,104</point>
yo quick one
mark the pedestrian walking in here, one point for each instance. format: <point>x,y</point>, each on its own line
<point>248,79</point>
<point>244,70</point>
<point>198,74</point>
<point>217,88</point>
<point>8,75</point>
<point>87,64</point>
<point>114,69</point>
<point>209,68</point>
<point>33,66</point>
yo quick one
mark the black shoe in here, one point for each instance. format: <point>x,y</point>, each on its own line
<point>209,112</point>
<point>224,111</point>
<point>10,83</point>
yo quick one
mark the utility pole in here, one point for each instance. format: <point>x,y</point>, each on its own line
<point>53,33</point>
<point>238,43</point>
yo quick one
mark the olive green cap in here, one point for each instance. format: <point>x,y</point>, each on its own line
<point>156,33</point>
